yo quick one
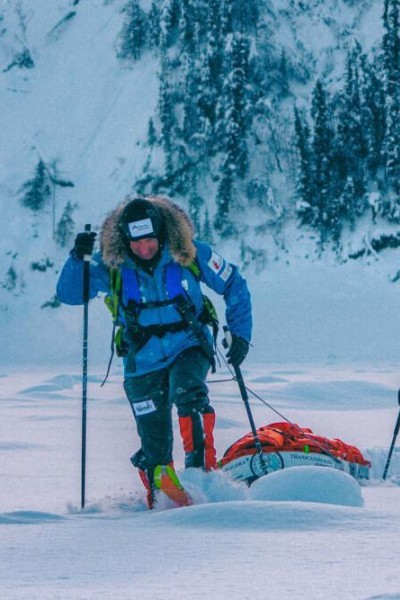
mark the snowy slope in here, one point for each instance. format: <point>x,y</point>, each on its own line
<point>85,112</point>
<point>82,107</point>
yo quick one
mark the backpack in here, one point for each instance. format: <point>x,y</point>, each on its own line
<point>125,322</point>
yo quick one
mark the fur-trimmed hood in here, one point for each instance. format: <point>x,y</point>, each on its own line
<point>178,227</point>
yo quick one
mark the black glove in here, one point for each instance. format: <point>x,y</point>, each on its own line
<point>84,243</point>
<point>237,351</point>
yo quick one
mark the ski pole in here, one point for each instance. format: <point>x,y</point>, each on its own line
<point>86,285</point>
<point>396,431</point>
<point>243,392</point>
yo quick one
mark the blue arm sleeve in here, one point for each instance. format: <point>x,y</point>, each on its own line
<point>225,279</point>
<point>70,282</point>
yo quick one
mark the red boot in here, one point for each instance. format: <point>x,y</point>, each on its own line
<point>199,447</point>
<point>150,488</point>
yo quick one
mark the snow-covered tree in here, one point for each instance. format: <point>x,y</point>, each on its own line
<point>167,114</point>
<point>207,231</point>
<point>245,15</point>
<point>151,133</point>
<point>322,143</point>
<point>37,191</point>
<point>23,57</point>
<point>169,21</point>
<point>133,35</point>
<point>304,179</point>
<point>188,28</point>
<point>65,226</point>
<point>153,25</point>
<point>351,147</point>
<point>196,203</point>
<point>391,64</point>
<point>225,198</point>
<point>191,111</point>
<point>233,109</point>
<point>372,112</point>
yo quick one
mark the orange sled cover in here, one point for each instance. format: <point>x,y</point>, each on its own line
<point>288,445</point>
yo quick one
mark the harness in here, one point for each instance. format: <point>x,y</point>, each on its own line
<point>125,303</point>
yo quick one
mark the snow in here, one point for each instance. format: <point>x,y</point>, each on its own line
<point>308,484</point>
<point>325,356</point>
<point>335,538</point>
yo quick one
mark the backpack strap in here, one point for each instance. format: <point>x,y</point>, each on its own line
<point>130,286</point>
<point>185,307</point>
<point>125,293</point>
<point>112,301</point>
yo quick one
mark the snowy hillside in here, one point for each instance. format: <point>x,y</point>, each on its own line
<point>85,113</point>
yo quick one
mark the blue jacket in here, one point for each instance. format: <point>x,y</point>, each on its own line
<point>219,275</point>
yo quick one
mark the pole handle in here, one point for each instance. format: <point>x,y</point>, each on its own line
<point>88,229</point>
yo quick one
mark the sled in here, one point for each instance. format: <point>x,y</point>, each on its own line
<point>288,445</point>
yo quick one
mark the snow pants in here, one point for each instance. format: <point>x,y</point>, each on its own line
<point>152,396</point>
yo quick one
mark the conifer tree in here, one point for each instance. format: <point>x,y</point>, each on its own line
<point>38,189</point>
<point>207,234</point>
<point>347,205</point>
<point>206,103</point>
<point>66,225</point>
<point>372,113</point>
<point>134,31</point>
<point>211,76</point>
<point>283,75</point>
<point>351,145</point>
<point>196,203</point>
<point>304,183</point>
<point>191,94</point>
<point>153,24</point>
<point>391,62</point>
<point>167,114</point>
<point>11,280</point>
<point>226,17</point>
<point>225,198</point>
<point>245,15</point>
<point>233,109</point>
<point>214,44</point>
<point>169,21</point>
<point>188,26</point>
<point>322,152</point>
<point>151,133</point>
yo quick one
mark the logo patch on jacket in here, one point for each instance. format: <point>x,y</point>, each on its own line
<point>226,272</point>
<point>144,408</point>
<point>216,262</point>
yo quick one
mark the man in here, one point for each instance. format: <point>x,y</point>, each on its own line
<point>151,268</point>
